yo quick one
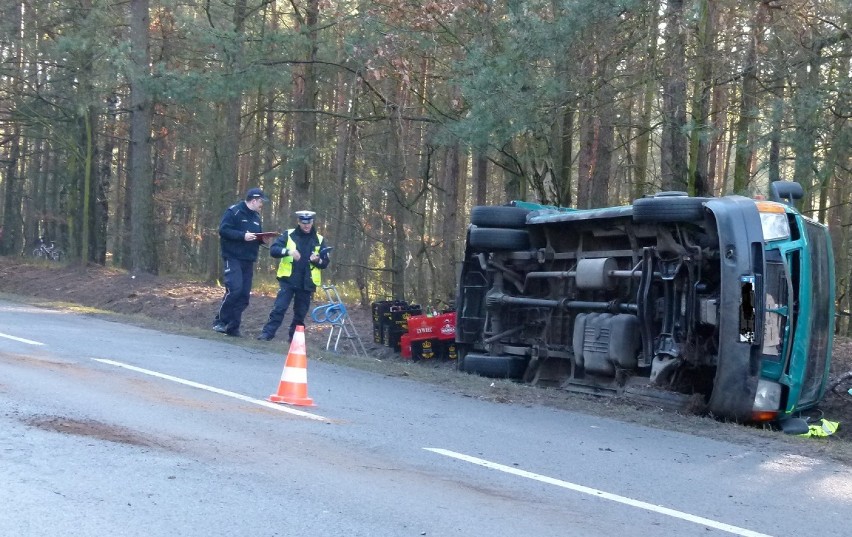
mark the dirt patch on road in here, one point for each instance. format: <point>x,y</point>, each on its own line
<point>90,428</point>
<point>190,306</point>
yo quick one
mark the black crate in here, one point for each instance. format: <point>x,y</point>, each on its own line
<point>424,349</point>
<point>400,314</point>
<point>397,325</point>
<point>393,337</point>
<point>448,350</point>
<point>433,349</point>
<point>381,316</point>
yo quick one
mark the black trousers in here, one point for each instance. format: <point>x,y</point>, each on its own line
<point>238,280</point>
<point>301,299</point>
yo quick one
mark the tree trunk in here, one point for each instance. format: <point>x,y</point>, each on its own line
<point>448,221</point>
<point>563,182</point>
<point>11,196</point>
<point>223,180</point>
<point>641,184</point>
<point>605,124</point>
<point>480,178</point>
<point>586,158</point>
<point>143,252</point>
<point>343,132</point>
<point>399,207</point>
<point>729,149</point>
<point>588,120</point>
<point>749,102</point>
<point>514,183</point>
<point>304,96</point>
<point>776,118</point>
<point>719,113</point>
<point>805,104</point>
<point>10,226</point>
<point>673,150</point>
<point>563,126</point>
<point>103,190</point>
<point>702,89</point>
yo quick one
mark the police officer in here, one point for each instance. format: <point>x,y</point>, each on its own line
<point>303,255</point>
<point>239,245</point>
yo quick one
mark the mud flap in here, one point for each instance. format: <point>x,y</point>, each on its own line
<point>659,398</point>
<point>551,372</point>
<point>503,366</point>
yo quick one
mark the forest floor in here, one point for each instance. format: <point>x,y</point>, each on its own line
<point>188,307</point>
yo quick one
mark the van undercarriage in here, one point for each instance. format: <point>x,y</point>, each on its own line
<point>662,299</point>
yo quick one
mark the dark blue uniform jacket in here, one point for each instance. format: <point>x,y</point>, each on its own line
<point>238,219</point>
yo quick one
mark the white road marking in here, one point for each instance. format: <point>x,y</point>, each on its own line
<point>600,494</point>
<point>261,402</point>
<point>22,340</point>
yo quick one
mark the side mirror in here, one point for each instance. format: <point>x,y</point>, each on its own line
<point>794,426</point>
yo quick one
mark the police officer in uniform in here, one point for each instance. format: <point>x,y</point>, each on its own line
<point>239,245</point>
<point>303,255</point>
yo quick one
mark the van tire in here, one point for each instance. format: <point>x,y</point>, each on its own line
<point>499,216</point>
<point>669,207</point>
<point>492,239</point>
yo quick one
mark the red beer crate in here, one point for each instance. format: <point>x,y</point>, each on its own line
<point>405,345</point>
<point>440,327</point>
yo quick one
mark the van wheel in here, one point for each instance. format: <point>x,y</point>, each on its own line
<point>499,216</point>
<point>490,239</point>
<point>670,207</point>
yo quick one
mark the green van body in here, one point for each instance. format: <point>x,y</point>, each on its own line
<point>805,265</point>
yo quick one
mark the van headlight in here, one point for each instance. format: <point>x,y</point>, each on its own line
<point>773,220</point>
<point>767,401</point>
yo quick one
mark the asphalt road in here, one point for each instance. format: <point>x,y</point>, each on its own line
<point>111,429</point>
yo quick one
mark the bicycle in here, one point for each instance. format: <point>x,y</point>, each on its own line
<point>45,251</point>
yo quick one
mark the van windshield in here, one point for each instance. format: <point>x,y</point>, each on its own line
<point>776,321</point>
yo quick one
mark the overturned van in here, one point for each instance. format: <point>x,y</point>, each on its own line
<point>728,301</point>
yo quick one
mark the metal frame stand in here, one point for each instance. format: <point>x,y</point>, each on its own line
<point>336,315</point>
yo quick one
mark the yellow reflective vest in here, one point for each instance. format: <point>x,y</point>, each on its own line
<point>823,427</point>
<point>285,266</point>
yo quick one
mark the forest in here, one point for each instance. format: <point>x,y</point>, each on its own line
<point>128,126</point>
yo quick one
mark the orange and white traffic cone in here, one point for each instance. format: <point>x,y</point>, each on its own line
<point>293,388</point>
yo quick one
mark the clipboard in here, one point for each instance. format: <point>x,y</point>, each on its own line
<point>267,235</point>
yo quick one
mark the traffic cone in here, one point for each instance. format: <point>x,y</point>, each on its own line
<point>293,388</point>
